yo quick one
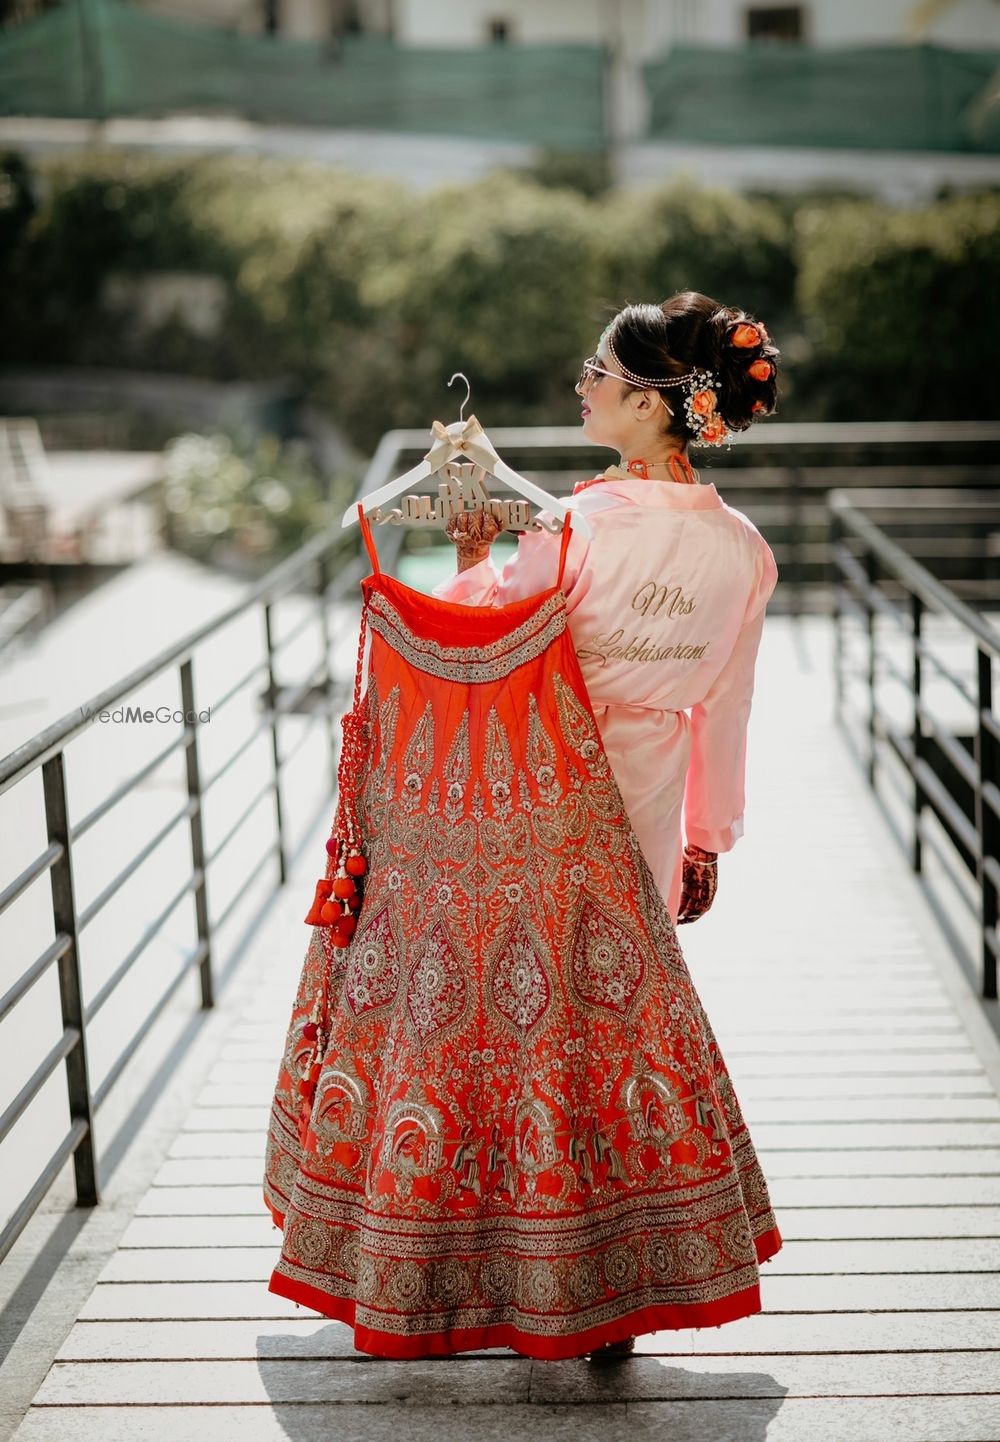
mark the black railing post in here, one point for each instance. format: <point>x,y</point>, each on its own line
<point>871,573</point>
<point>987,822</point>
<point>916,732</point>
<point>70,987</point>
<point>197,835</point>
<point>272,698</point>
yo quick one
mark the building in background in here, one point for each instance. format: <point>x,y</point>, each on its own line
<point>898,97</point>
<point>646,27</point>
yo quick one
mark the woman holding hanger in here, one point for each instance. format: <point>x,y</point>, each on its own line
<point>666,603</point>
<point>501,1116</point>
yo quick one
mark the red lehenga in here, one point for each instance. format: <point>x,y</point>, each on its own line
<point>519,1130</point>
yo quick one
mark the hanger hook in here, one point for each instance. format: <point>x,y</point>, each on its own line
<point>468,392</point>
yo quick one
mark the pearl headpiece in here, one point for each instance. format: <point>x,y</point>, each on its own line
<point>701,401</point>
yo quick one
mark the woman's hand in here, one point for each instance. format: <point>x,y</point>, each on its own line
<point>698,886</point>
<point>473,532</point>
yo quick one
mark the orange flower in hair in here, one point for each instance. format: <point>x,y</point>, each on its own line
<point>758,406</point>
<point>703,402</point>
<point>715,430</point>
<point>760,369</point>
<point>746,336</point>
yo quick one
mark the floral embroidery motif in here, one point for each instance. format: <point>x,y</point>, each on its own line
<point>418,759</point>
<point>436,995</point>
<point>606,964</point>
<point>373,972</point>
<point>578,728</point>
<point>541,755</point>
<point>498,765</point>
<point>456,771</point>
<point>519,981</point>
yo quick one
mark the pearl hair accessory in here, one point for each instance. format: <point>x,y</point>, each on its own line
<point>701,402</point>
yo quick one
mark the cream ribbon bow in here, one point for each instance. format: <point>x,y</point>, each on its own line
<point>465,436</point>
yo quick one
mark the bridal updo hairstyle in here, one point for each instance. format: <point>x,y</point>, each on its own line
<point>691,329</point>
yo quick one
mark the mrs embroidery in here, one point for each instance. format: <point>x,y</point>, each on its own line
<point>650,599</point>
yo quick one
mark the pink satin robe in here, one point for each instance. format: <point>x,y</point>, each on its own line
<point>666,607</point>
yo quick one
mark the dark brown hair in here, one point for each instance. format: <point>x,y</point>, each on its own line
<point>691,329</point>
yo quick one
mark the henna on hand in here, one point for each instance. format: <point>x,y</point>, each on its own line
<point>699,883</point>
<point>473,530</point>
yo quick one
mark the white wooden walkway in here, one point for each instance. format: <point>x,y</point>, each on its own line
<point>870,1083</point>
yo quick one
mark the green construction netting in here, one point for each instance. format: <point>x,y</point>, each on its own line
<point>105,58</point>
<point>914,97</point>
<point>101,58</point>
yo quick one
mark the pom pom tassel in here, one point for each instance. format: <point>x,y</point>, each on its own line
<point>322,893</point>
<point>338,895</point>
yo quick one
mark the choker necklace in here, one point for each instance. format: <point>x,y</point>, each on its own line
<point>679,466</point>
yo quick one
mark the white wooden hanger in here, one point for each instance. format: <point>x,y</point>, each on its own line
<point>466,440</point>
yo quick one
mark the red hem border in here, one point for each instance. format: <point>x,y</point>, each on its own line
<point>544,1349</point>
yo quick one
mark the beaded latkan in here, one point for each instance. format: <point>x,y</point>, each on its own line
<point>338,895</point>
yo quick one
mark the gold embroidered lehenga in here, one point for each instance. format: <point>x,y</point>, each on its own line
<point>521,1131</point>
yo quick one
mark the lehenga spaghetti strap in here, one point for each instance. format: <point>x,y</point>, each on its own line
<point>366,531</point>
<point>563,550</point>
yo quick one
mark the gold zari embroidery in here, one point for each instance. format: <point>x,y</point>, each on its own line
<point>479,664</point>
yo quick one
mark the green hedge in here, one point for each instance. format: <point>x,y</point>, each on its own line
<point>683,236</point>
<point>244,502</point>
<point>373,294</point>
<point>901,308</point>
<point>291,245</point>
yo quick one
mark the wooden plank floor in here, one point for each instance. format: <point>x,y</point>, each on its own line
<point>871,1093</point>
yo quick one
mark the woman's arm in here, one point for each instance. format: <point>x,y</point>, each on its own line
<point>714,788</point>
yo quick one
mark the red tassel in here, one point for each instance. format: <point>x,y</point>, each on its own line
<point>307,1086</point>
<point>323,889</point>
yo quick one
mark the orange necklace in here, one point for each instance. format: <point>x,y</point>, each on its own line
<point>680,469</point>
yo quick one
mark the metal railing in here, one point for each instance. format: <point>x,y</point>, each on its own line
<point>931,752</point>
<point>327,567</point>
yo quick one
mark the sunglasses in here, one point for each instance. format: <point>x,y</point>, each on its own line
<point>591,368</point>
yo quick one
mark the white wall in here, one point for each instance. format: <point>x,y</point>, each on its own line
<point>647,27</point>
<point>966,23</point>
<point>650,26</point>
<point>532,22</point>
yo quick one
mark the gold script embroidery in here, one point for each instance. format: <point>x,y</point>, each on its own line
<point>651,598</point>
<point>637,648</point>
